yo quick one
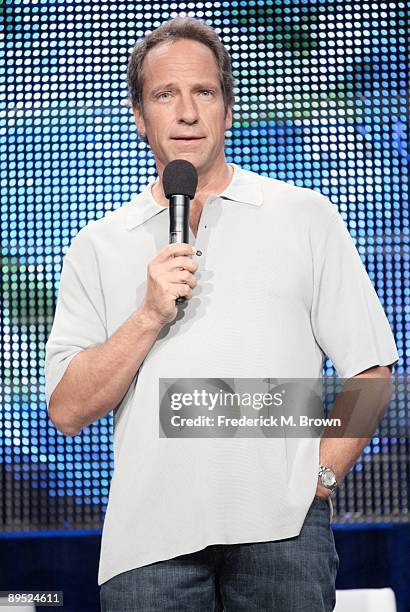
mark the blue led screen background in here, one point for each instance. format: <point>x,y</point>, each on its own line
<point>322,101</point>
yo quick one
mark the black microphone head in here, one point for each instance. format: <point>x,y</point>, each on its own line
<point>180,177</point>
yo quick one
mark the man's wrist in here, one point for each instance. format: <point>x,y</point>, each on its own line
<point>148,319</point>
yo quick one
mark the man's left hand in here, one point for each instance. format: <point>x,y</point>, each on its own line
<point>322,492</point>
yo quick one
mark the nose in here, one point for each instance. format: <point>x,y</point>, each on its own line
<point>187,109</point>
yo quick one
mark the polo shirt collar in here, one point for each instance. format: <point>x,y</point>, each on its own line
<point>243,188</point>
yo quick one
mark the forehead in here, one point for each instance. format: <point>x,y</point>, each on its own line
<point>180,58</point>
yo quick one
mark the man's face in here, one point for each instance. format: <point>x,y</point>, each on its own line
<point>182,97</point>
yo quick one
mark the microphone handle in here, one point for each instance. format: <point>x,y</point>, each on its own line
<point>179,224</point>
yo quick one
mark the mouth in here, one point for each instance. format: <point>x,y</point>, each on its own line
<point>188,140</point>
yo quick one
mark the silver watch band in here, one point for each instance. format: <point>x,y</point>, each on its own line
<point>327,477</point>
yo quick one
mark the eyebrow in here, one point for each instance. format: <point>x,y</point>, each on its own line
<point>173,86</point>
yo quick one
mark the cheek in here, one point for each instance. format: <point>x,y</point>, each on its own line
<point>155,133</point>
<point>218,128</point>
<point>215,124</point>
<point>156,124</point>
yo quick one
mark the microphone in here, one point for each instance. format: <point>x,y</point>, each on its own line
<point>179,181</point>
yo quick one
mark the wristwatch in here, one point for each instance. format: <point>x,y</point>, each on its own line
<point>327,478</point>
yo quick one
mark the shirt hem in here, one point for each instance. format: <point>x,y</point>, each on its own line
<point>285,532</point>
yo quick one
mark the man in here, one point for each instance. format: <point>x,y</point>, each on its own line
<point>273,284</point>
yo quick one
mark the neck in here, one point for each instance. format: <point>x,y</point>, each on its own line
<point>208,184</point>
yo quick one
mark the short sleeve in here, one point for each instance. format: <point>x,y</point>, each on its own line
<point>348,320</point>
<point>79,319</point>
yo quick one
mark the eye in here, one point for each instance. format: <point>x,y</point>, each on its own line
<point>208,91</point>
<point>164,93</point>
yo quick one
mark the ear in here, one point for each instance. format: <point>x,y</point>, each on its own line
<point>139,120</point>
<point>228,118</point>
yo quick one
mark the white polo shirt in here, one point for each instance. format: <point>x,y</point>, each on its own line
<point>280,286</point>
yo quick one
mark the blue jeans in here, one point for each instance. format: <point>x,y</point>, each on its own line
<point>293,575</point>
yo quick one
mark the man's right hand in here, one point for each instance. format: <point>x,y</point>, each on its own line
<point>170,275</point>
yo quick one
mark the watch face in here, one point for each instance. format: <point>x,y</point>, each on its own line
<point>328,478</point>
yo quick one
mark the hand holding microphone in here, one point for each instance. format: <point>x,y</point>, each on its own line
<point>170,278</point>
